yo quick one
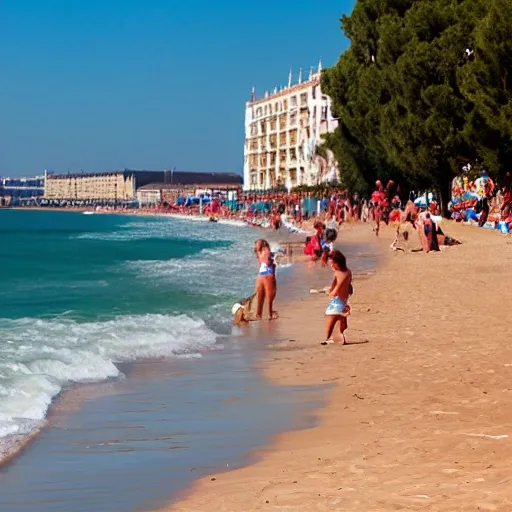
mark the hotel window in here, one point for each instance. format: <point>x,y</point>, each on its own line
<point>304,99</point>
<point>313,92</point>
<point>293,119</point>
<point>265,110</point>
<point>285,104</point>
<point>258,112</point>
<point>293,101</point>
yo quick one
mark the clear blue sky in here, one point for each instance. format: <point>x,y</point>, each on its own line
<point>147,84</point>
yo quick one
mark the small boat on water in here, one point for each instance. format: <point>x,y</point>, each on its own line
<point>88,213</point>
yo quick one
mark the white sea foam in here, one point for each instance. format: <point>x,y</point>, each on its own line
<point>191,218</point>
<point>159,227</point>
<point>40,357</point>
<point>195,218</point>
<point>233,222</point>
<point>213,271</point>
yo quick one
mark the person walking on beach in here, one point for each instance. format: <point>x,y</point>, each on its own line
<point>341,289</point>
<point>377,202</point>
<point>266,284</point>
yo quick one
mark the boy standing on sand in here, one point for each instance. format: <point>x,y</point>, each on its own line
<point>341,288</point>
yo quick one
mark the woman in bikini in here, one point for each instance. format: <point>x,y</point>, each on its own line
<point>341,289</point>
<point>266,284</point>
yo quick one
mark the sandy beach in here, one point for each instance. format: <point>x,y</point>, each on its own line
<point>419,416</point>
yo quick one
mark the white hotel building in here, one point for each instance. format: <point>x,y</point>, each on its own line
<point>282,131</point>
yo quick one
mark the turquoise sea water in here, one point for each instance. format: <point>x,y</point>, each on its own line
<point>80,293</point>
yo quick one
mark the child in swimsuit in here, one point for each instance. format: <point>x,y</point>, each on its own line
<point>341,288</point>
<point>266,284</point>
<point>328,244</point>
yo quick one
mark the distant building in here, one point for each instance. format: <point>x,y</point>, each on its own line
<point>22,187</point>
<point>122,186</point>
<point>188,183</point>
<point>282,132</point>
<point>108,186</point>
<point>14,191</point>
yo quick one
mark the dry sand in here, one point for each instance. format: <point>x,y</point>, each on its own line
<point>420,413</point>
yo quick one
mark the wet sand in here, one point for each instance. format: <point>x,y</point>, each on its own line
<point>126,445</point>
<point>419,415</point>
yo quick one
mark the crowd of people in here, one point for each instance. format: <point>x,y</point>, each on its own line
<point>422,221</point>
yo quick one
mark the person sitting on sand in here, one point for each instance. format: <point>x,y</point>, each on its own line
<point>341,288</point>
<point>266,284</point>
<point>242,311</point>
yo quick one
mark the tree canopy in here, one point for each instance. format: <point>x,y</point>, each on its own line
<point>424,88</point>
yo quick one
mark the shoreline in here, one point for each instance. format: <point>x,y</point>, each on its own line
<point>417,417</point>
<point>18,443</point>
<point>180,417</point>
<point>84,410</point>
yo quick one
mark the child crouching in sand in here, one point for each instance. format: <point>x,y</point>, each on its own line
<point>341,288</point>
<point>266,284</point>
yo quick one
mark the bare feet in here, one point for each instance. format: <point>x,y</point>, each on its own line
<point>274,316</point>
<point>334,342</point>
